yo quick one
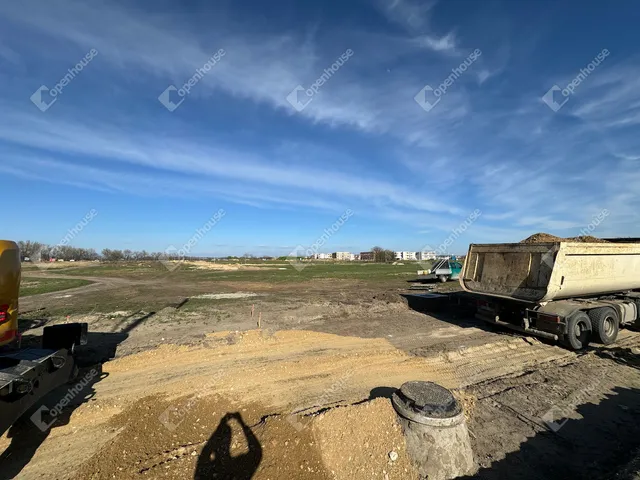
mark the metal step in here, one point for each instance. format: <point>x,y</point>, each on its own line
<point>28,375</point>
<point>20,370</point>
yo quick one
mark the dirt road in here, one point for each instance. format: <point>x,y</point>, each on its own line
<point>99,284</point>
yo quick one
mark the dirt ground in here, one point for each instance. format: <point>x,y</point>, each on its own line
<point>196,390</point>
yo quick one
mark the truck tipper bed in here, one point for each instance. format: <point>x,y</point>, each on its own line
<point>568,291</point>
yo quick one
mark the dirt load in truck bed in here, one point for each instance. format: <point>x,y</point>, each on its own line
<point>548,238</point>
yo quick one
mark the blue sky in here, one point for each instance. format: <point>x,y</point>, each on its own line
<point>362,142</point>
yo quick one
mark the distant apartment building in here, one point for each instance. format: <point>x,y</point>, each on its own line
<point>344,256</point>
<point>426,255</point>
<point>322,256</point>
<point>405,255</point>
<point>354,256</point>
<point>367,256</point>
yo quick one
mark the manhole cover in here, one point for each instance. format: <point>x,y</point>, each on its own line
<point>426,399</point>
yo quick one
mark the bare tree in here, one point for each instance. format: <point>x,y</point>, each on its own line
<point>379,254</point>
<point>30,249</point>
<point>112,255</point>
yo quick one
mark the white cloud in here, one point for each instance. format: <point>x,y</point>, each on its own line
<point>415,18</point>
<point>107,145</point>
<point>261,67</point>
<point>517,160</point>
<point>446,43</point>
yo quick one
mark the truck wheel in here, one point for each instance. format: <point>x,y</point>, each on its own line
<point>605,323</point>
<point>578,331</point>
<point>443,278</point>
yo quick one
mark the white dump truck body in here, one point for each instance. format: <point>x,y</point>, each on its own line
<point>539,273</point>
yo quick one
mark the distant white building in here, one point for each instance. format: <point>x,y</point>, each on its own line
<point>354,256</point>
<point>426,255</point>
<point>322,256</point>
<point>405,255</point>
<point>344,256</point>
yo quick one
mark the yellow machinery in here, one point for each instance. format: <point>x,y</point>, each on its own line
<point>28,374</point>
<point>9,290</point>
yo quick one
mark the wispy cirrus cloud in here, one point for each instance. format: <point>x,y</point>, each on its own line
<point>490,143</point>
<point>414,17</point>
<point>262,68</point>
<point>107,145</point>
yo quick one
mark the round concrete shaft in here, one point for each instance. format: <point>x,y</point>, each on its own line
<point>435,430</point>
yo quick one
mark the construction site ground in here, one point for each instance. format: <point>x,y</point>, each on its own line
<point>268,372</point>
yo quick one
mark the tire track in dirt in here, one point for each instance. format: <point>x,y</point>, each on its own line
<point>283,368</point>
<point>281,373</point>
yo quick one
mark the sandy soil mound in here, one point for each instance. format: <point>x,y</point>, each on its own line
<point>356,442</point>
<point>174,411</point>
<point>344,443</point>
<point>548,238</point>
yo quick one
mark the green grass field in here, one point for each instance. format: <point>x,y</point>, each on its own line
<point>269,272</point>
<point>35,286</point>
<point>153,286</point>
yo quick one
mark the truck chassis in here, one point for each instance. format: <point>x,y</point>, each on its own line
<point>573,322</point>
<point>28,374</point>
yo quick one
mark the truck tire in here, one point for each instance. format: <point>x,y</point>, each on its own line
<point>443,278</point>
<point>605,324</point>
<point>578,331</point>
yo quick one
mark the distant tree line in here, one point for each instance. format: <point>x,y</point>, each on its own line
<point>41,252</point>
<point>110,255</point>
<point>37,251</point>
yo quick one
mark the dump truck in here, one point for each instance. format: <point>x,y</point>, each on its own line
<point>28,374</point>
<point>571,292</point>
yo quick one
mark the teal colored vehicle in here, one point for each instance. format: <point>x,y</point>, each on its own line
<point>444,269</point>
